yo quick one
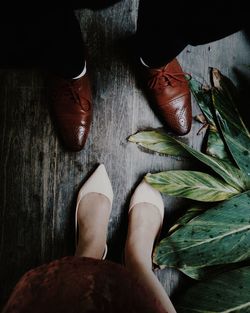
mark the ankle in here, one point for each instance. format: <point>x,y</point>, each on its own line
<point>133,263</point>
<point>91,249</point>
<point>137,255</point>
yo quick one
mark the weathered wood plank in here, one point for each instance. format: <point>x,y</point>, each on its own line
<point>39,180</point>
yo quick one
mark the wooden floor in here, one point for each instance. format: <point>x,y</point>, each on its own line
<point>39,180</point>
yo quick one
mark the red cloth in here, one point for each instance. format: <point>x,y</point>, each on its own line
<point>79,285</point>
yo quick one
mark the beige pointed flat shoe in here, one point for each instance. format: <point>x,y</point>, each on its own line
<point>98,182</point>
<point>144,193</point>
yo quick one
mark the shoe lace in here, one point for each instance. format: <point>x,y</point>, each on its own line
<point>69,90</point>
<point>82,101</point>
<point>162,78</point>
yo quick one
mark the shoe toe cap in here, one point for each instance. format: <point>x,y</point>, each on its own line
<point>74,137</point>
<point>178,115</point>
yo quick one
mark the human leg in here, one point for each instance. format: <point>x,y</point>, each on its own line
<point>64,50</point>
<point>41,36</point>
<point>71,99</point>
<point>51,37</point>
<point>145,220</point>
<point>158,43</point>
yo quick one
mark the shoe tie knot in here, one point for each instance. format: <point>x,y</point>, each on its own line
<point>161,78</point>
<point>71,90</point>
<point>75,94</point>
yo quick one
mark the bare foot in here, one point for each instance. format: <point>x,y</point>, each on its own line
<point>93,217</point>
<point>144,225</point>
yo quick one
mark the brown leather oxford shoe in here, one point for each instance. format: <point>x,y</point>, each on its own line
<point>170,93</point>
<point>72,110</point>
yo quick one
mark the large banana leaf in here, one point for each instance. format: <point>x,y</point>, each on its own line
<point>160,142</point>
<point>221,235</point>
<point>227,293</point>
<point>233,128</point>
<point>150,139</point>
<point>192,185</point>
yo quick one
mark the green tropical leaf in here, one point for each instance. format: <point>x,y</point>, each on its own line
<point>215,145</point>
<point>188,216</point>
<point>162,142</point>
<point>238,142</point>
<point>158,141</point>
<point>230,173</point>
<point>232,126</point>
<point>221,235</point>
<point>204,99</point>
<point>192,185</point>
<point>206,272</point>
<point>230,99</point>
<point>226,293</point>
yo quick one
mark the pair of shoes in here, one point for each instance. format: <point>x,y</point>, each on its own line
<point>168,88</point>
<point>99,182</point>
<point>72,110</point>
<point>72,103</point>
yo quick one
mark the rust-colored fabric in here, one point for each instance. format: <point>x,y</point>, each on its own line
<point>79,285</point>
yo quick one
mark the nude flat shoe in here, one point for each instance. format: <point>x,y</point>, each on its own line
<point>98,182</point>
<point>145,193</point>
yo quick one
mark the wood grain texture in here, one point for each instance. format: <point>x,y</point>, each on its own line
<point>39,180</point>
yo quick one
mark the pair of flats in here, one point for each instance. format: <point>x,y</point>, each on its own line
<point>99,183</point>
